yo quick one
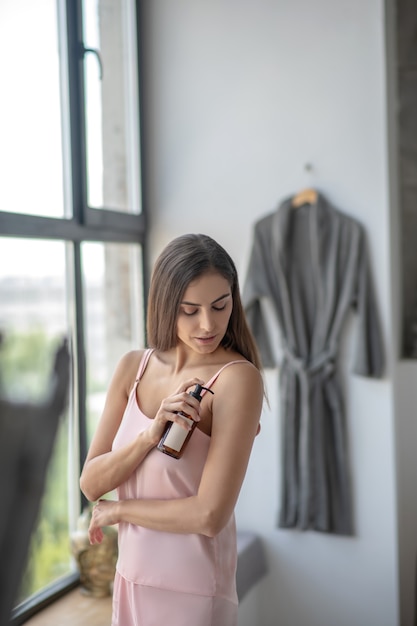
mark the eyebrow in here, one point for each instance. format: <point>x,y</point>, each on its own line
<point>226,295</point>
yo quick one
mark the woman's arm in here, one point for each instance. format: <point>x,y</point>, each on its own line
<point>237,406</point>
<point>105,469</point>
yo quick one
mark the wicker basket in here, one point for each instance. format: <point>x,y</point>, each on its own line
<point>96,563</point>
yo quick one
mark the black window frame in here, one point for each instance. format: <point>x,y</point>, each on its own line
<point>86,224</point>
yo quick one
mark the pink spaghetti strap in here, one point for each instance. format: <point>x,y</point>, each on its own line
<point>143,363</point>
<point>145,358</point>
<point>214,378</point>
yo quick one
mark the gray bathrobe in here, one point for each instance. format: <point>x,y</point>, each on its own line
<point>310,266</point>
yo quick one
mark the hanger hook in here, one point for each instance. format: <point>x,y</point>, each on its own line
<point>98,57</point>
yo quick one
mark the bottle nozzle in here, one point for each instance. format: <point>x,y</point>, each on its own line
<point>197,391</point>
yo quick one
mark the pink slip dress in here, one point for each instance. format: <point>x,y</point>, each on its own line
<point>171,578</point>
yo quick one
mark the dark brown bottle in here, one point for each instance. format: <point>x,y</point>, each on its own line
<point>175,438</point>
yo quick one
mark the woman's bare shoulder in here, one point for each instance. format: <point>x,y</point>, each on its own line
<point>239,393</point>
<point>131,358</point>
<point>241,374</point>
<point>128,367</point>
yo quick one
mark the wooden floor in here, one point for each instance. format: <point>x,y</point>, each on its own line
<point>75,609</point>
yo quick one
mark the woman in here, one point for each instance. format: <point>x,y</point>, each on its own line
<point>177,536</point>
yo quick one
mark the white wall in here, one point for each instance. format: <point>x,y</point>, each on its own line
<point>240,96</point>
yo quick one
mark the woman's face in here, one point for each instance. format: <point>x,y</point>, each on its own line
<point>204,313</point>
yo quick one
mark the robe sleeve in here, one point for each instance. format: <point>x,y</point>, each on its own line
<point>256,289</point>
<point>369,353</point>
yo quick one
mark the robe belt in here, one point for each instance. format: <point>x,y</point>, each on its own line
<point>324,362</point>
<point>324,365</point>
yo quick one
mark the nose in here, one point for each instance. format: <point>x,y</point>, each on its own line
<point>206,320</point>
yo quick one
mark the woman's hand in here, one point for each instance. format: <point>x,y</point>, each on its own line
<point>104,514</point>
<point>172,406</point>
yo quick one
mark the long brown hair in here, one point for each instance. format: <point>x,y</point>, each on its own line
<point>183,260</point>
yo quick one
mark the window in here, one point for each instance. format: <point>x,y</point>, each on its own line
<point>72,234</point>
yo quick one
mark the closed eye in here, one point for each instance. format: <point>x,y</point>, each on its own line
<point>215,308</point>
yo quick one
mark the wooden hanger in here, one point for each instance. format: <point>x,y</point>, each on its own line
<point>306,196</point>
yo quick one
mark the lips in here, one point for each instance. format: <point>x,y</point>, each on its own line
<point>206,339</point>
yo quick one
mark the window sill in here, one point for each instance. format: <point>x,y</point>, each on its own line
<point>74,609</point>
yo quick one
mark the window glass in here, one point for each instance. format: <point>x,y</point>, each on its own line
<point>111,105</point>
<point>30,113</point>
<point>49,557</point>
<point>33,321</point>
<point>112,276</point>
